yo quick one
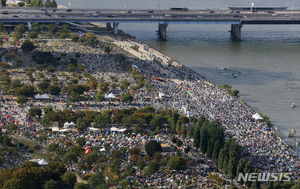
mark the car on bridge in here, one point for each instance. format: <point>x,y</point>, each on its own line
<point>150,11</point>
<point>97,12</point>
<point>37,16</point>
<point>69,10</point>
<point>272,12</point>
<point>275,15</point>
<point>95,15</point>
<point>168,15</point>
<point>5,11</point>
<point>235,16</point>
<point>230,11</point>
<point>287,15</point>
<point>15,16</point>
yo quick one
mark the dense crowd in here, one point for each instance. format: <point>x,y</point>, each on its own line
<point>184,90</point>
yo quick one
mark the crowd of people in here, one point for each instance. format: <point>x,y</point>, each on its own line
<point>183,90</point>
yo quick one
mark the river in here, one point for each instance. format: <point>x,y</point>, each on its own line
<point>266,60</point>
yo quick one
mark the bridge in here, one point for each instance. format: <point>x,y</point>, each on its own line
<point>162,17</point>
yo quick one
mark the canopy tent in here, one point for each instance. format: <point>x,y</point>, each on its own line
<point>55,129</point>
<point>45,96</point>
<point>66,125</point>
<point>111,95</point>
<point>38,96</point>
<point>72,123</point>
<point>161,95</point>
<point>102,150</point>
<point>116,129</point>
<point>257,117</point>
<point>42,162</point>
<point>93,129</point>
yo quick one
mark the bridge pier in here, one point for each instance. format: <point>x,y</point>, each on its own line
<point>236,31</point>
<point>108,26</point>
<point>162,31</point>
<point>116,30</point>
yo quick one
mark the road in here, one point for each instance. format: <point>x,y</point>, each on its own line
<point>33,13</point>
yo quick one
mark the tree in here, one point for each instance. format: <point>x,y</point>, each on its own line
<point>157,122</point>
<point>75,37</point>
<point>80,165</point>
<point>70,157</point>
<point>134,151</point>
<point>140,163</point>
<point>27,46</point>
<point>50,184</point>
<point>57,169</point>
<point>177,163</point>
<point>12,127</point>
<point>80,186</point>
<point>100,96</point>
<point>124,184</point>
<point>70,67</point>
<point>52,28</point>
<point>16,36</point>
<point>35,27</point>
<point>20,28</point>
<point>91,157</point>
<point>153,146</point>
<point>91,39</point>
<point>3,2</point>
<point>196,138</point>
<point>22,99</point>
<point>14,184</point>
<point>103,86</point>
<point>126,97</point>
<point>100,121</point>
<point>95,180</point>
<point>48,3</point>
<point>2,27</point>
<point>82,123</point>
<point>183,131</point>
<point>81,141</point>
<point>21,4</point>
<point>69,179</point>
<point>127,121</point>
<point>33,35</point>
<point>43,86</point>
<point>107,49</point>
<point>53,4</point>
<point>54,89</point>
<point>78,150</point>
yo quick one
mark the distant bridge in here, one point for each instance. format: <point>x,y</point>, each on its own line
<point>162,17</point>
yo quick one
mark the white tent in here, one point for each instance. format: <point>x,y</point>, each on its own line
<point>116,129</point>
<point>111,95</point>
<point>102,150</point>
<point>93,129</point>
<point>257,117</point>
<point>45,96</point>
<point>72,123</point>
<point>161,95</point>
<point>42,162</point>
<point>66,125</point>
<point>38,96</point>
<point>55,129</point>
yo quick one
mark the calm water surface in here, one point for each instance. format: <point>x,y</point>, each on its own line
<point>266,61</point>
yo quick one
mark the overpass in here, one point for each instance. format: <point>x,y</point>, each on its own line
<point>162,17</point>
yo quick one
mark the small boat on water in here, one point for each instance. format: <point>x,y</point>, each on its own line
<point>234,75</point>
<point>293,105</point>
<point>157,79</point>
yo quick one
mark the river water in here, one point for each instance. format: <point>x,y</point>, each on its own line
<point>266,61</point>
